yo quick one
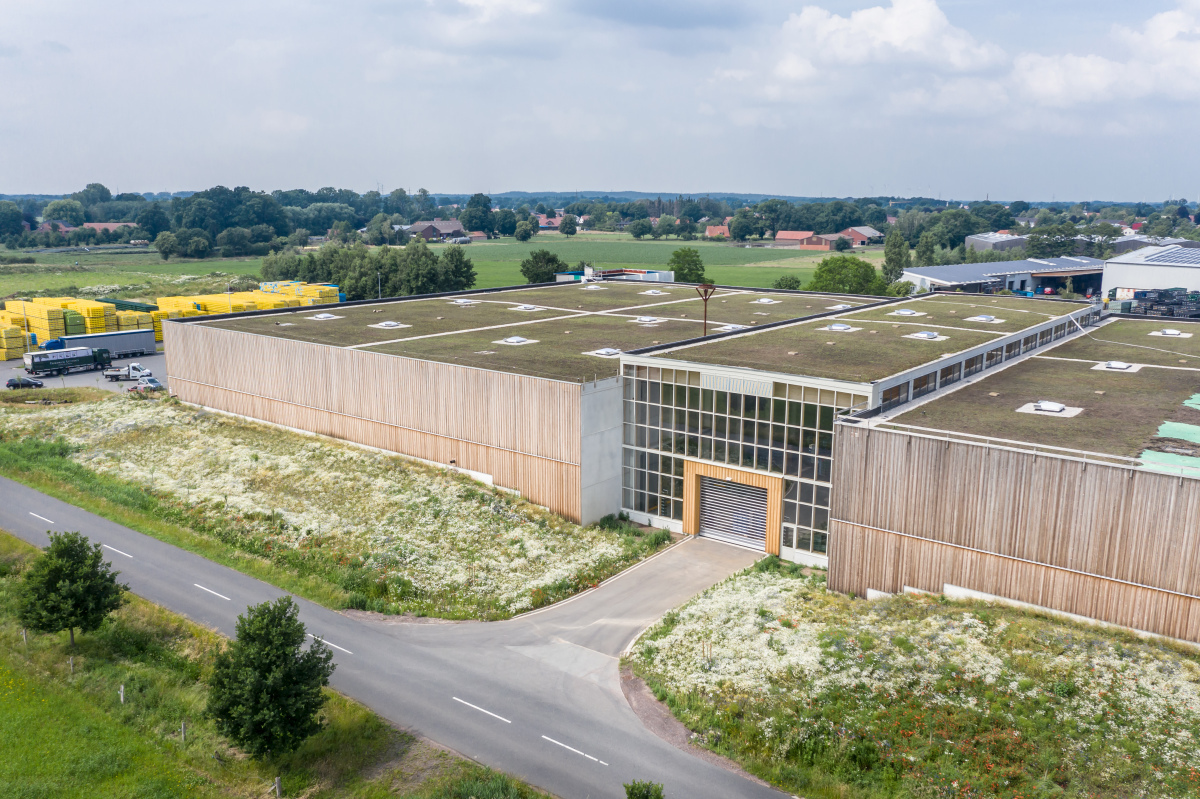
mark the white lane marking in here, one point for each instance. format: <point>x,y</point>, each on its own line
<point>481,710</point>
<point>335,646</point>
<point>119,552</point>
<point>214,593</point>
<point>576,751</point>
<point>43,518</point>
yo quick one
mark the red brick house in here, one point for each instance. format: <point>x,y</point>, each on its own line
<point>437,229</point>
<point>717,230</point>
<point>861,235</point>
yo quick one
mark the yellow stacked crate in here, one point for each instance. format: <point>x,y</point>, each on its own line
<point>127,320</point>
<point>111,321</point>
<point>157,318</point>
<point>44,321</point>
<point>14,342</point>
<point>93,314</point>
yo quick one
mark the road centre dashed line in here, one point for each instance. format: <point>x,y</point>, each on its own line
<point>214,593</point>
<point>576,751</point>
<point>327,643</point>
<point>119,552</point>
<point>481,710</point>
<point>43,518</point>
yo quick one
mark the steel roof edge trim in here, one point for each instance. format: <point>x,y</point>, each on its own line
<point>1140,317</point>
<point>749,331</point>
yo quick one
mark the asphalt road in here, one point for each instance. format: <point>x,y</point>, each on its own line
<point>155,363</point>
<point>538,696</point>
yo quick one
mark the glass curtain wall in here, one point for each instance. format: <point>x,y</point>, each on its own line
<point>669,417</point>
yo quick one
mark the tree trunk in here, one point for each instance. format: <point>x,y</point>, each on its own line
<point>72,631</point>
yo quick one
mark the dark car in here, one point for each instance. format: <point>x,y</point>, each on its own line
<point>24,382</point>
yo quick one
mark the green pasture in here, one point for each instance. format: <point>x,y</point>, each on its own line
<point>143,275</point>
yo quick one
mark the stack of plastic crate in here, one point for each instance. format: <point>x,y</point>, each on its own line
<point>44,321</point>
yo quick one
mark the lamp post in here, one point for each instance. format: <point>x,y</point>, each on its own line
<point>705,290</point>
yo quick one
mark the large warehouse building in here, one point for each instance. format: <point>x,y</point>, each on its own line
<point>866,435</point>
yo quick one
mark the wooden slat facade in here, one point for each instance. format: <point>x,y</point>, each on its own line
<point>1117,544</point>
<point>694,470</point>
<point>524,431</point>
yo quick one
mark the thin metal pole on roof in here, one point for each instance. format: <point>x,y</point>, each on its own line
<point>705,290</point>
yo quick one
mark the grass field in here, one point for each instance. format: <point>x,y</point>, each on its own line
<point>65,734</point>
<point>143,275</point>
<point>921,697</point>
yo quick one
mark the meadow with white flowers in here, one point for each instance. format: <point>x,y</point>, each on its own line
<point>389,534</point>
<point>912,696</point>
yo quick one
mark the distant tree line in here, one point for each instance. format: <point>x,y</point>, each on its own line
<point>388,271</point>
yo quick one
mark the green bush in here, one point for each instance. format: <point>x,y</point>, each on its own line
<point>643,790</point>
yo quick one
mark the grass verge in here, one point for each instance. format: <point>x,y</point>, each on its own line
<point>64,732</point>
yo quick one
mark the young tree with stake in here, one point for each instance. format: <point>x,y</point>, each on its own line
<point>70,586</point>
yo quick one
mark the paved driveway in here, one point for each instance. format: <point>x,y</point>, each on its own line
<point>155,363</point>
<point>537,696</point>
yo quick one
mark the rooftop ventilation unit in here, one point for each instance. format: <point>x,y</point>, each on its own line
<point>462,301</point>
<point>730,328</point>
<point>654,293</point>
<point>323,316</point>
<point>1117,365</point>
<point>1168,331</point>
<point>839,307</point>
<point>985,318</point>
<point>389,324</point>
<point>607,352</point>
<point>904,312</point>
<point>1046,406</point>
<point>925,334</point>
<point>593,287</point>
<point>765,301</point>
<point>647,319</point>
<point>516,340</point>
<point>839,326</point>
<point>526,308</point>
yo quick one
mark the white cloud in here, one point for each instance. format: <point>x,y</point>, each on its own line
<point>905,31</point>
<point>1159,59</point>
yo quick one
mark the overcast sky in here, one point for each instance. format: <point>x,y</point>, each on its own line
<point>1033,99</point>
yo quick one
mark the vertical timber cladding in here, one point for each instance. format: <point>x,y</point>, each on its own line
<point>693,471</point>
<point>1107,542</point>
<point>524,431</point>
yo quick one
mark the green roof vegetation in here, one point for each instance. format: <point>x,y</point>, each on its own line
<point>1122,411</point>
<point>954,312</point>
<point>558,351</point>
<point>872,352</point>
<point>1130,340</point>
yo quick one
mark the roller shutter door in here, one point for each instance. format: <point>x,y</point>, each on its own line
<point>733,512</point>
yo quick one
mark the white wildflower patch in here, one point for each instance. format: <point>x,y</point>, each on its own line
<point>440,532</point>
<point>778,649</point>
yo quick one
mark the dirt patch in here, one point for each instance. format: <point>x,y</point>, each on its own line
<point>657,718</point>
<point>403,618</point>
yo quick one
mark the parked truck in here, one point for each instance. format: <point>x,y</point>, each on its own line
<point>133,371</point>
<point>120,344</point>
<point>60,362</point>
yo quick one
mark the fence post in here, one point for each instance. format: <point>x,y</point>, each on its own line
<point>72,661</point>
<point>121,691</point>
<point>278,787</point>
<point>183,731</point>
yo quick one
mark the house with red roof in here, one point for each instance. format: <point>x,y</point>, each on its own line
<point>713,231</point>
